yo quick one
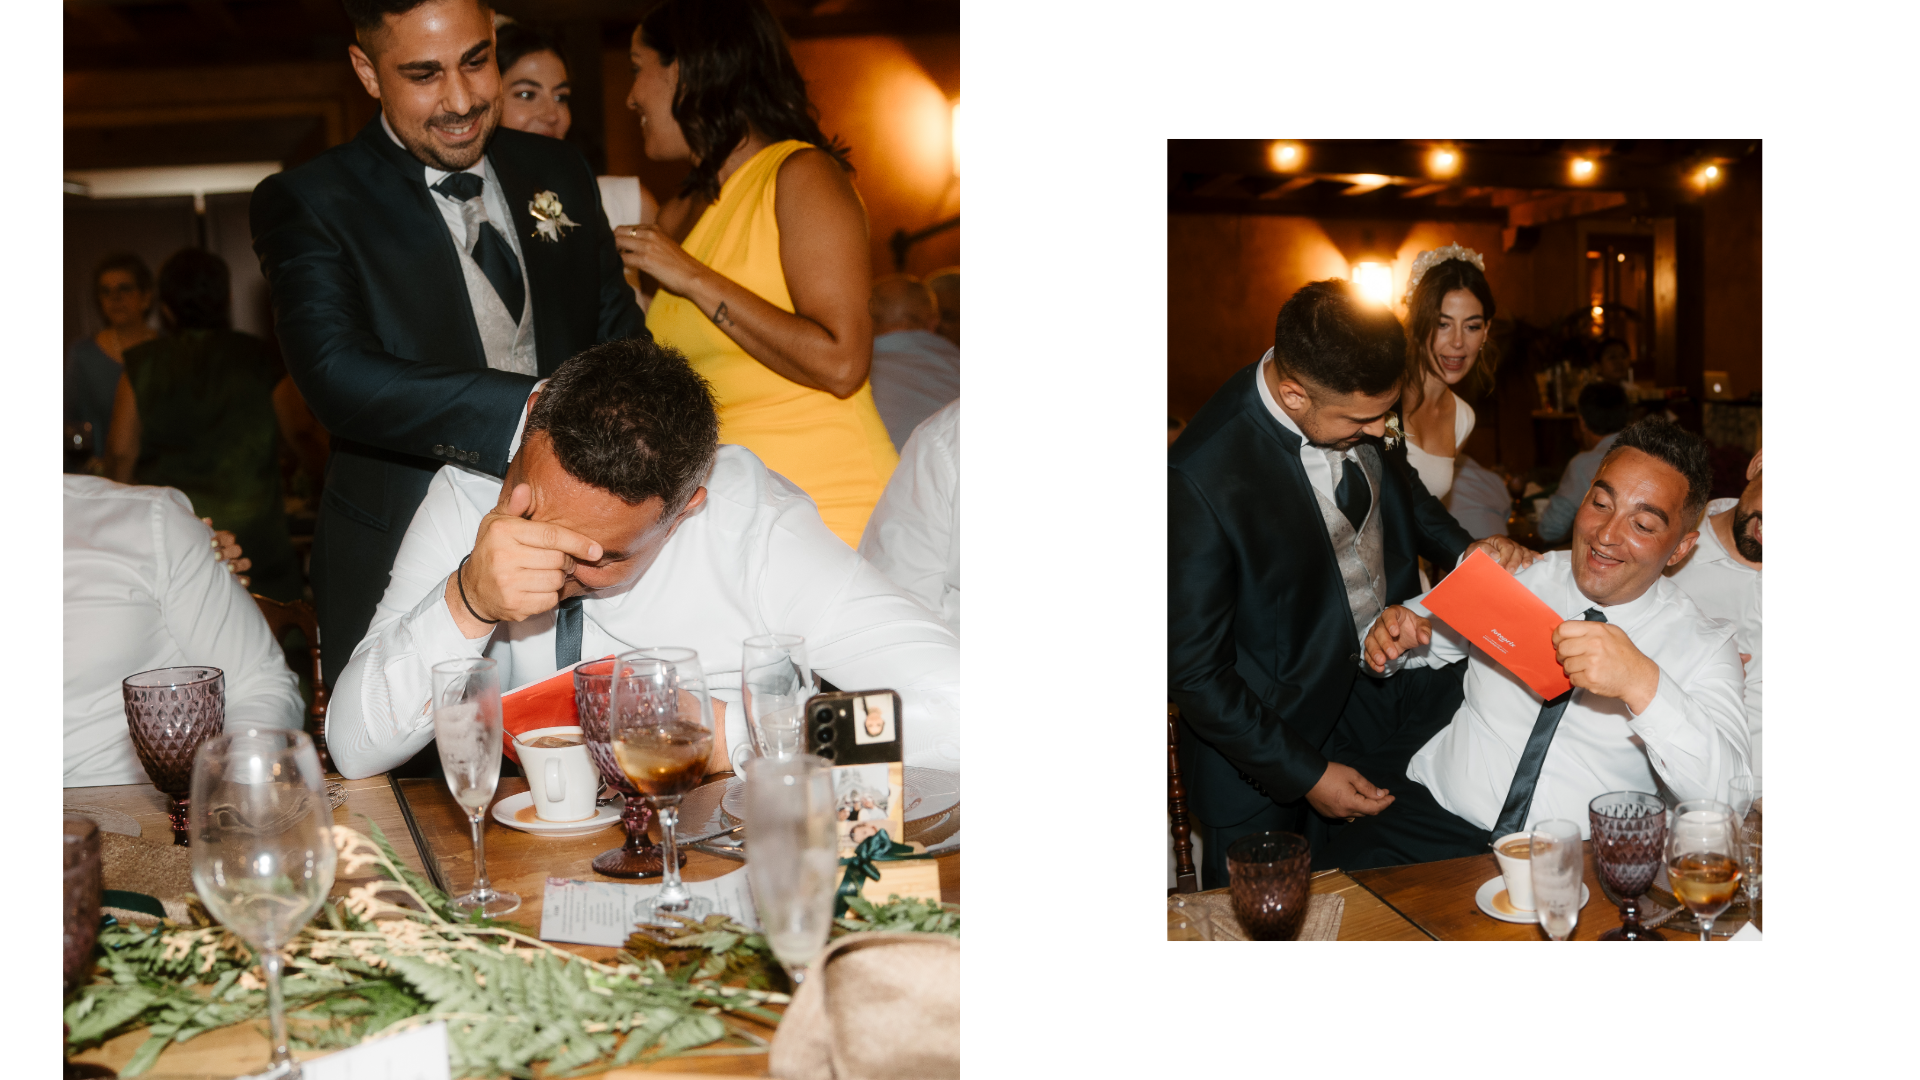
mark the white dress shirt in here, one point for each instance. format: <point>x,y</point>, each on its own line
<point>1318,463</point>
<point>913,536</point>
<point>1725,588</point>
<point>144,589</point>
<point>754,559</point>
<point>1693,736</point>
<point>509,345</point>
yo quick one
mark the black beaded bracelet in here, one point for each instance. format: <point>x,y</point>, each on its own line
<point>459,579</point>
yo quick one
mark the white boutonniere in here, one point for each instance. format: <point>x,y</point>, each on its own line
<point>1394,434</point>
<point>550,217</point>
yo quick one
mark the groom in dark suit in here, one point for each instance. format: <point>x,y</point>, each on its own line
<point>1293,521</point>
<point>424,276</point>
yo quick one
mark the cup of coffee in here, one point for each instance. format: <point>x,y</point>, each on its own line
<point>1514,852</point>
<point>560,773</point>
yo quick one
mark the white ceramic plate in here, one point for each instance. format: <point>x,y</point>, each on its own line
<point>508,812</point>
<point>930,792</point>
<point>1492,899</point>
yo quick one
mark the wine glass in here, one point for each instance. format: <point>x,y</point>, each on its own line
<point>793,858</point>
<point>1745,796</point>
<point>1269,877</point>
<point>1703,858</point>
<point>466,730</point>
<point>170,712</point>
<point>1629,831</point>
<point>661,720</point>
<point>775,683</point>
<point>263,849</point>
<point>638,857</point>
<point>1557,862</point>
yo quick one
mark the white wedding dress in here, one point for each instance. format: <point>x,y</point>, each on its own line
<point>1437,472</point>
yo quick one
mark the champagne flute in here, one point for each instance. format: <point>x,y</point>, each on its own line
<point>661,720</point>
<point>262,849</point>
<point>1703,859</point>
<point>466,730</point>
<point>792,856</point>
<point>775,683</point>
<point>1557,862</point>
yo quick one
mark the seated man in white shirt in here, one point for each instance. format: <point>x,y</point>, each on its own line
<point>621,524</point>
<point>1723,577</point>
<point>1657,684</point>
<point>145,588</point>
<point>913,536</point>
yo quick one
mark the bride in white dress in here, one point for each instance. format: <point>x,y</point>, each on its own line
<point>1449,309</point>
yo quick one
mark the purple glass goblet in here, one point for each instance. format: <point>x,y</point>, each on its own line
<point>1269,875</point>
<point>81,903</point>
<point>592,688</point>
<point>170,712</point>
<point>1629,850</point>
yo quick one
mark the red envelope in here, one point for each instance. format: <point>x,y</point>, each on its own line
<point>547,703</point>
<point>1493,611</point>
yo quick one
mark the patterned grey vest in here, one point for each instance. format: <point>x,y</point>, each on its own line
<point>1361,554</point>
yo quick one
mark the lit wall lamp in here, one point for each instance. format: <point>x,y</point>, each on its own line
<point>1707,176</point>
<point>1582,169</point>
<point>1443,163</point>
<point>902,241</point>
<point>1374,278</point>
<point>1287,156</point>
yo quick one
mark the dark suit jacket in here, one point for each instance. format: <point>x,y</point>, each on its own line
<point>1261,649</point>
<point>373,317</point>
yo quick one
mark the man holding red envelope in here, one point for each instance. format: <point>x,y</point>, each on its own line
<point>1588,672</point>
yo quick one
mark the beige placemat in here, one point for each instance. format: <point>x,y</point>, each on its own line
<point>1322,922</point>
<point>162,871</point>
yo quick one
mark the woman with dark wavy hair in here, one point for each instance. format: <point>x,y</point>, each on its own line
<point>1449,314</point>
<point>766,292</point>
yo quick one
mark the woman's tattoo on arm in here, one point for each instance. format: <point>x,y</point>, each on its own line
<point>720,315</point>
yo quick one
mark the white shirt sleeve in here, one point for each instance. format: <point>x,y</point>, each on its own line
<point>1695,732</point>
<point>913,536</point>
<point>215,621</point>
<point>378,715</point>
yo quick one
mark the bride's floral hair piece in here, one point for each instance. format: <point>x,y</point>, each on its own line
<point>1427,260</point>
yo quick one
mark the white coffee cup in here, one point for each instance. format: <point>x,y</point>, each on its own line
<point>563,780</point>
<point>1517,872</point>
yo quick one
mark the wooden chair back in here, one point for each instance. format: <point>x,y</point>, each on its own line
<point>1185,878</point>
<point>299,613</point>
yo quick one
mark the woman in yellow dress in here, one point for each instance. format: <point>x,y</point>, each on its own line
<point>767,294</point>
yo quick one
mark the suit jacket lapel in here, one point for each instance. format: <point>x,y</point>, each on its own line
<point>407,172</point>
<point>544,259</point>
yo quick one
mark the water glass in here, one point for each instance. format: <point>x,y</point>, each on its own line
<point>775,683</point>
<point>1557,868</point>
<point>1746,807</point>
<point>170,712</point>
<point>660,716</point>
<point>467,733</point>
<point>80,907</point>
<point>1269,875</point>
<point>793,860</point>
<point>1703,859</point>
<point>263,850</point>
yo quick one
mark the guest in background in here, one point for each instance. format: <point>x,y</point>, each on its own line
<point>946,289</point>
<point>1449,312</point>
<point>1723,577</point>
<point>200,411</point>
<point>123,294</point>
<point>914,534</point>
<point>143,589</point>
<point>1604,410</point>
<point>538,92</point>
<point>767,294</point>
<point>915,370</point>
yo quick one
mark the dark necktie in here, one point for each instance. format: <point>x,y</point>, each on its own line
<point>490,250</point>
<point>568,624</point>
<point>1513,815</point>
<point>1353,495</point>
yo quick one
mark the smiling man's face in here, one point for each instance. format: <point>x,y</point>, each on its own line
<point>1632,524</point>
<point>433,71</point>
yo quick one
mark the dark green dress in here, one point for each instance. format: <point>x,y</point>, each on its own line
<point>207,427</point>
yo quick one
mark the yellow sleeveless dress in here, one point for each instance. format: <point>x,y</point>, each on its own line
<point>836,451</point>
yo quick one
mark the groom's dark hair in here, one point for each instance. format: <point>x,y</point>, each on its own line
<point>631,417</point>
<point>1329,335</point>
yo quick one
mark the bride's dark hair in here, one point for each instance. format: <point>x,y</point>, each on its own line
<point>736,74</point>
<point>1423,316</point>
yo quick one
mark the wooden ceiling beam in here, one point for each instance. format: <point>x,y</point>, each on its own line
<point>1335,206</point>
<point>1477,168</point>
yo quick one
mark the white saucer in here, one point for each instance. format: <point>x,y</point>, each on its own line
<point>1492,899</point>
<point>507,811</point>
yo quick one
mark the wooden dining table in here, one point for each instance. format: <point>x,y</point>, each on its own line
<point>430,833</point>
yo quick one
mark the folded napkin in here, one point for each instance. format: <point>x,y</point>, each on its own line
<point>875,1006</point>
<point>1322,921</point>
